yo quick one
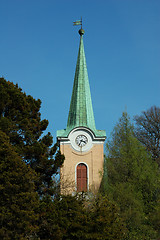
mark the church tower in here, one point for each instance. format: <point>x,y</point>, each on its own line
<point>81,142</point>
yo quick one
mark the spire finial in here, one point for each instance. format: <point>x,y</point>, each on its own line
<point>79,22</point>
<point>81,32</point>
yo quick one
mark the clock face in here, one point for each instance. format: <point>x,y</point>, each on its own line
<point>81,140</point>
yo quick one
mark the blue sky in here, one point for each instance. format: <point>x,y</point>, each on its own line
<point>39,48</point>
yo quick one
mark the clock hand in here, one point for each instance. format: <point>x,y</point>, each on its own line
<point>81,141</point>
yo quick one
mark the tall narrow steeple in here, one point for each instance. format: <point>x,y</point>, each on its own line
<point>81,143</point>
<point>81,110</point>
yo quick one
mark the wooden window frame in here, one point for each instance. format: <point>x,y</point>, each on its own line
<point>87,178</point>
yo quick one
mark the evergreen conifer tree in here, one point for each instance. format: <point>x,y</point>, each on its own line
<point>18,199</point>
<point>20,120</point>
<point>133,180</point>
<point>74,217</point>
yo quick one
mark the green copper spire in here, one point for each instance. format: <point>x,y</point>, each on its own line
<point>81,111</point>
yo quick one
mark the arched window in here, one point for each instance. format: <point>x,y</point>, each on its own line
<point>81,177</point>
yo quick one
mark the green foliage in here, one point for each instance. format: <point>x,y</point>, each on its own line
<point>73,218</point>
<point>106,220</point>
<point>129,208</point>
<point>18,199</point>
<point>77,218</point>
<point>63,218</point>
<point>21,120</point>
<point>48,216</point>
<point>133,180</point>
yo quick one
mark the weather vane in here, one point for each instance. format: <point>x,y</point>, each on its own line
<point>78,22</point>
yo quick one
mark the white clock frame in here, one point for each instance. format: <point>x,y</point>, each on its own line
<point>81,131</point>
